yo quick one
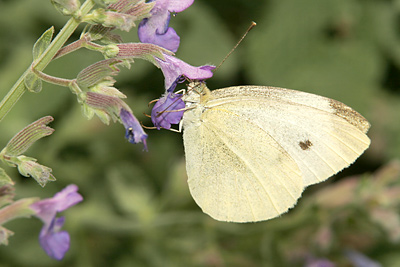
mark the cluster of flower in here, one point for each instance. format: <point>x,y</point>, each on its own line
<point>95,92</point>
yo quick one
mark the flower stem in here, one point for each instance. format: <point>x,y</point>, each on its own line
<point>18,209</point>
<point>83,42</point>
<point>51,79</point>
<point>19,89</point>
<point>70,48</point>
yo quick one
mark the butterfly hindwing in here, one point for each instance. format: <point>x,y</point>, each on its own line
<point>234,178</point>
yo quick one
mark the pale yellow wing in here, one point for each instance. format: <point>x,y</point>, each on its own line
<point>250,151</point>
<point>322,135</point>
<point>236,171</point>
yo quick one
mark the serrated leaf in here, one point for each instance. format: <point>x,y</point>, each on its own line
<point>42,43</point>
<point>4,178</point>
<point>33,83</point>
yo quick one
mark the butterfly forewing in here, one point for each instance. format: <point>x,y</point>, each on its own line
<point>322,135</point>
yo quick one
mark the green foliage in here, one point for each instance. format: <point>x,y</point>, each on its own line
<point>42,43</point>
<point>137,210</point>
<point>33,83</point>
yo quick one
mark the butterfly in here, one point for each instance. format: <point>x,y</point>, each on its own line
<point>251,150</point>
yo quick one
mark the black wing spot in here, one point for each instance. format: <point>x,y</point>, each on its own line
<point>305,145</point>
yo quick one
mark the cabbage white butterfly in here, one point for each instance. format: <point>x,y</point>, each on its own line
<point>251,150</point>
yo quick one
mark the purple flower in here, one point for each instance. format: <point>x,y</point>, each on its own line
<point>319,262</point>
<point>52,240</point>
<point>173,68</point>
<point>155,29</point>
<point>134,131</point>
<point>360,260</point>
<point>165,111</point>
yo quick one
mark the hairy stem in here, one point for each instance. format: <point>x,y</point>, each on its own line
<point>70,48</point>
<point>51,79</point>
<point>19,89</point>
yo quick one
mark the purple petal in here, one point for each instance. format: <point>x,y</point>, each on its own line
<point>360,260</point>
<point>158,34</point>
<point>169,102</point>
<point>155,29</point>
<point>134,131</point>
<point>54,242</point>
<point>319,263</point>
<point>178,5</point>
<point>173,68</point>
<point>46,209</point>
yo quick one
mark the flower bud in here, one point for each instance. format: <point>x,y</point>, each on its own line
<point>27,136</point>
<point>29,167</point>
<point>97,72</point>
<point>106,18</point>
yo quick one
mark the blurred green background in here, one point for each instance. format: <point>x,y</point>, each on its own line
<point>137,209</point>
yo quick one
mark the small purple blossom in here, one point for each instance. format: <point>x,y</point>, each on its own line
<point>55,242</point>
<point>360,260</point>
<point>134,131</point>
<point>167,110</point>
<point>155,29</point>
<point>173,68</point>
<point>319,263</point>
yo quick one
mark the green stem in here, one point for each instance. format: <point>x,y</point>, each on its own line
<point>19,89</point>
<point>83,42</point>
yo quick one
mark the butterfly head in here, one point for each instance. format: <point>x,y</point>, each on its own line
<point>197,91</point>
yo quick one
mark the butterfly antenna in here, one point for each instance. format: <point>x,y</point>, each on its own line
<point>148,127</point>
<point>238,43</point>
<point>151,102</point>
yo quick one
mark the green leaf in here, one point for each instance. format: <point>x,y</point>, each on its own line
<point>4,178</point>
<point>42,43</point>
<point>33,83</point>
